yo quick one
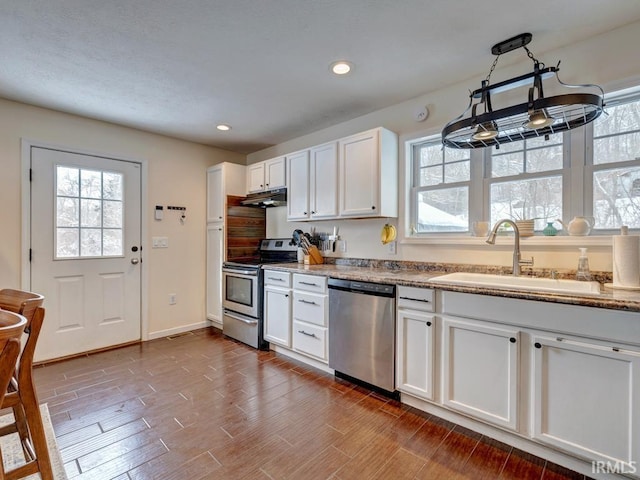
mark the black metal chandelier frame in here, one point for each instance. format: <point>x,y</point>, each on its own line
<point>495,127</point>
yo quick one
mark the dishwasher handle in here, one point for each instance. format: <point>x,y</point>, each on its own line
<point>366,288</point>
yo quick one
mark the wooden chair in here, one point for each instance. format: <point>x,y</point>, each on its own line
<point>21,395</point>
<point>11,327</point>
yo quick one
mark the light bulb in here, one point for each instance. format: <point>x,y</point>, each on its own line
<point>486,131</point>
<point>539,119</point>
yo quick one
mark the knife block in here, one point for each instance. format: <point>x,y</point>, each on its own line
<point>314,257</point>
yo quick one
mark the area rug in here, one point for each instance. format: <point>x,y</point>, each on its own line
<point>12,450</point>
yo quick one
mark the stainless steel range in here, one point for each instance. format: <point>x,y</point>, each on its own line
<point>242,291</point>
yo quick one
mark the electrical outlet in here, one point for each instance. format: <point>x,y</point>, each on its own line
<point>172,299</point>
<point>391,246</point>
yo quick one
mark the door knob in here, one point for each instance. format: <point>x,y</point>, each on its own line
<point>135,261</point>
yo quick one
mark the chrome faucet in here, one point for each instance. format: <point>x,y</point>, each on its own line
<point>517,260</point>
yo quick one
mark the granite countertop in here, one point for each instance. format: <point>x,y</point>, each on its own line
<point>609,298</point>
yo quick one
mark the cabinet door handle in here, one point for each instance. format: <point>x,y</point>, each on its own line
<point>309,283</point>
<point>312,212</point>
<point>306,301</point>
<point>428,324</point>
<point>537,345</point>
<point>267,184</point>
<point>286,295</point>
<point>275,279</point>
<point>373,207</point>
<point>512,339</point>
<point>304,213</point>
<point>307,334</point>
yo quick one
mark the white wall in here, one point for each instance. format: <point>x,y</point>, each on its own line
<point>607,59</point>
<point>176,176</point>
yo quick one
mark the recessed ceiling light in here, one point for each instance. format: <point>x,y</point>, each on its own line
<point>341,67</point>
<point>223,127</point>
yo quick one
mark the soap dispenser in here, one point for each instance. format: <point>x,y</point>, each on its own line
<point>583,266</point>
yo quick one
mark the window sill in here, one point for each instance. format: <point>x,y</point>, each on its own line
<point>536,240</point>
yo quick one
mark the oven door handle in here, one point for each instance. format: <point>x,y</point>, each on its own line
<point>242,319</point>
<point>250,273</point>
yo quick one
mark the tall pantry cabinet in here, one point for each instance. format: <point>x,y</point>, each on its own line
<point>222,179</point>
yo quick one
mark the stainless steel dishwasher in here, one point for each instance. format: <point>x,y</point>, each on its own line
<point>362,331</point>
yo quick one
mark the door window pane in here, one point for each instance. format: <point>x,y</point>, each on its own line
<point>68,181</point>
<point>90,184</point>
<point>68,242</point>
<point>89,213</point>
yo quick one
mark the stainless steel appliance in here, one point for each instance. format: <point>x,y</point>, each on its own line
<point>271,198</point>
<point>242,291</point>
<point>362,327</point>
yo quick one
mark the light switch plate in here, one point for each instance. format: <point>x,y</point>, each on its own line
<point>160,242</point>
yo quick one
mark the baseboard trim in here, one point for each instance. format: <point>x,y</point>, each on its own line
<point>174,331</point>
<point>301,358</point>
<point>85,354</point>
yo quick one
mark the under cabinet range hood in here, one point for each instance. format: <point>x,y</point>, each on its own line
<point>270,198</point>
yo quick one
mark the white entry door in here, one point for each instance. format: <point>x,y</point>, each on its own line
<point>85,250</point>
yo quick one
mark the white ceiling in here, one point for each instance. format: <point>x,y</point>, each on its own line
<point>180,67</point>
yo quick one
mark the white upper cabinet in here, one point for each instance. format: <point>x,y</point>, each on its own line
<point>323,184</point>
<point>355,177</point>
<point>255,177</point>
<point>298,186</point>
<point>267,175</point>
<point>368,174</point>
<point>223,179</point>
<point>312,192</point>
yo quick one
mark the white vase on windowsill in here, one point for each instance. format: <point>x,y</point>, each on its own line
<point>526,227</point>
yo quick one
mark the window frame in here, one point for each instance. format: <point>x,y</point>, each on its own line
<point>475,169</point>
<point>564,173</point>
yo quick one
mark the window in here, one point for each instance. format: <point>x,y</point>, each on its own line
<point>89,218</point>
<point>589,171</point>
<point>616,166</point>
<point>441,188</point>
<point>525,180</point>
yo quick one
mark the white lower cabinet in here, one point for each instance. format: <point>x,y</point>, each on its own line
<point>215,257</point>
<point>277,315</point>
<point>309,312</point>
<point>310,339</point>
<point>415,342</point>
<point>415,353</point>
<point>586,399</point>
<point>277,308</point>
<point>480,370</point>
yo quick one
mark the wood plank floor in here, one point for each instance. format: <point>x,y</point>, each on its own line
<point>200,406</point>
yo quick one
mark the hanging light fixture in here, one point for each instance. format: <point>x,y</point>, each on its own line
<point>539,116</point>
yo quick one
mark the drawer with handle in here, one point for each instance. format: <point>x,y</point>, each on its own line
<point>310,283</point>
<point>415,298</point>
<point>310,307</point>
<point>310,339</point>
<point>277,279</point>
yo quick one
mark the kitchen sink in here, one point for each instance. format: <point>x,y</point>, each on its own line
<point>511,282</point>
